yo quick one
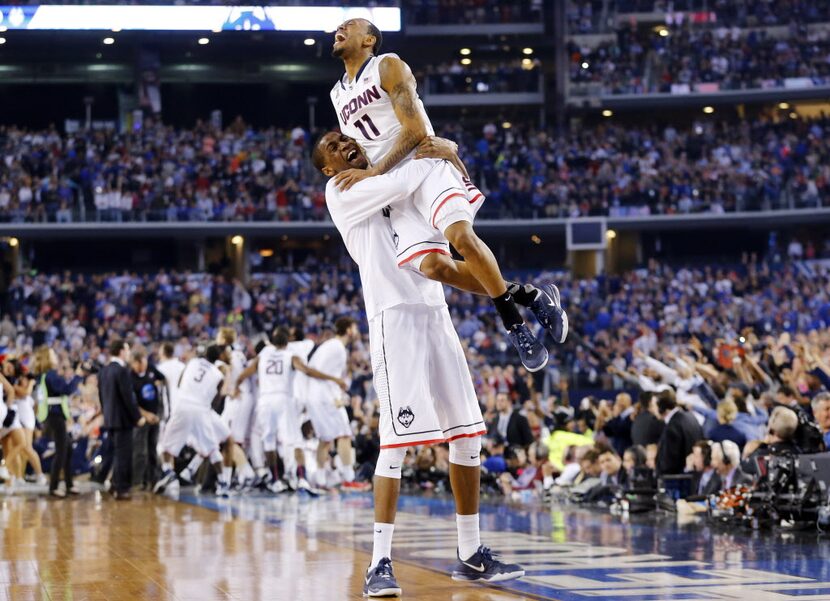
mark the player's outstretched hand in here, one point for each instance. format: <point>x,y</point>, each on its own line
<point>348,178</point>
<point>342,384</point>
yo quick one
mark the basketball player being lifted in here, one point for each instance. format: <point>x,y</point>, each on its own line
<point>377,105</point>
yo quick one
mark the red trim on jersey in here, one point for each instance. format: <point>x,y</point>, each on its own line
<point>476,197</point>
<point>417,443</point>
<point>443,202</point>
<point>469,435</point>
<point>440,251</point>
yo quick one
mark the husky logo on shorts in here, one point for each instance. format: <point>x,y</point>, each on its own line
<point>405,416</point>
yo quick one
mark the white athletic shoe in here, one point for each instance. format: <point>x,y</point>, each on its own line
<point>277,487</point>
<point>42,480</point>
<point>223,491</point>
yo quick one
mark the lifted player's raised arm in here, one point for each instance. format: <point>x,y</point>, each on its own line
<point>397,81</point>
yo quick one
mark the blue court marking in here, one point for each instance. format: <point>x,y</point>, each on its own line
<point>614,560</point>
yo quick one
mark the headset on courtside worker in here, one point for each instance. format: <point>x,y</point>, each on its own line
<point>377,104</point>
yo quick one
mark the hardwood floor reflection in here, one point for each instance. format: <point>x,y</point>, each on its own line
<point>92,548</point>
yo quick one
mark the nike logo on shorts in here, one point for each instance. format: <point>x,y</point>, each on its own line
<point>394,467</point>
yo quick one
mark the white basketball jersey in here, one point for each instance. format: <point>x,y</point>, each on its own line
<point>238,364</point>
<point>365,111</point>
<point>171,369</point>
<point>301,349</point>
<point>275,372</point>
<point>199,384</point>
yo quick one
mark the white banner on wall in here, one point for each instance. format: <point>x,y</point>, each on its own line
<point>192,18</point>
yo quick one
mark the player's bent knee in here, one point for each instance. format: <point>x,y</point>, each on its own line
<point>390,462</point>
<point>466,451</point>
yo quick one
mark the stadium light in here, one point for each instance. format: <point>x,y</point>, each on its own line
<point>708,110</point>
<point>204,41</point>
<point>527,63</point>
<point>465,51</point>
<point>607,113</point>
<point>610,234</point>
<point>13,242</point>
<point>309,41</point>
<point>585,65</point>
<point>783,105</point>
<point>506,125</point>
<point>109,41</point>
<point>664,33</point>
<point>2,40</point>
<point>237,240</point>
<point>793,115</point>
<point>535,239</point>
<point>266,252</point>
<point>527,51</point>
<point>466,61</point>
<point>3,28</point>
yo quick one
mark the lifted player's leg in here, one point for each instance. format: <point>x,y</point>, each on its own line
<point>543,302</point>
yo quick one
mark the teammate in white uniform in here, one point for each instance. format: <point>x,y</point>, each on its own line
<point>326,407</point>
<point>11,431</point>
<point>276,415</point>
<point>420,372</point>
<point>377,104</point>
<point>239,407</point>
<point>301,347</point>
<point>194,422</point>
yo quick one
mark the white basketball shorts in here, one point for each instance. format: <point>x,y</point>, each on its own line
<point>330,421</point>
<point>278,421</point>
<point>423,384</point>
<point>200,427</point>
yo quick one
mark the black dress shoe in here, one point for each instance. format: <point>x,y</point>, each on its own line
<point>121,496</point>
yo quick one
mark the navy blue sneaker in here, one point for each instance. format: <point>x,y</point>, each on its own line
<point>167,478</point>
<point>532,353</point>
<point>483,566</point>
<point>380,581</point>
<point>547,308</point>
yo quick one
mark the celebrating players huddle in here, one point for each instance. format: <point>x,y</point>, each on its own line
<point>249,415</point>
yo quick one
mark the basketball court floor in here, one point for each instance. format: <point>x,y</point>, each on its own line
<point>260,548</point>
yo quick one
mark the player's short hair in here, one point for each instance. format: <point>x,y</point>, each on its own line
<point>167,349</point>
<point>372,29</point>
<point>342,325</point>
<point>214,351</point>
<point>298,331</point>
<point>227,335</point>
<point>280,337</point>
<point>116,346</point>
<point>318,158</point>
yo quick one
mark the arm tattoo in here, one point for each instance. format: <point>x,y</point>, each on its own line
<point>404,100</point>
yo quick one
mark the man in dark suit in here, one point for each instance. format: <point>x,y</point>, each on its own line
<point>646,428</point>
<point>121,414</point>
<point>510,424</point>
<point>726,459</point>
<point>681,433</point>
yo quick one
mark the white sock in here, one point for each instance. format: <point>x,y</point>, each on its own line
<point>227,471</point>
<point>469,537</point>
<point>194,464</point>
<point>262,472</point>
<point>347,473</point>
<point>383,542</point>
<point>246,473</point>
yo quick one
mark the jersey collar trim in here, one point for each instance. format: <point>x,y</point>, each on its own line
<point>359,72</point>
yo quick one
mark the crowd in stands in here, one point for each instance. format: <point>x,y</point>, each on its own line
<point>242,174</point>
<point>725,345</point>
<point>462,12</point>
<point>481,78</point>
<point>584,16</point>
<point>641,61</point>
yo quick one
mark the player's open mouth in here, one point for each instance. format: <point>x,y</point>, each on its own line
<point>353,154</point>
<point>339,37</point>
